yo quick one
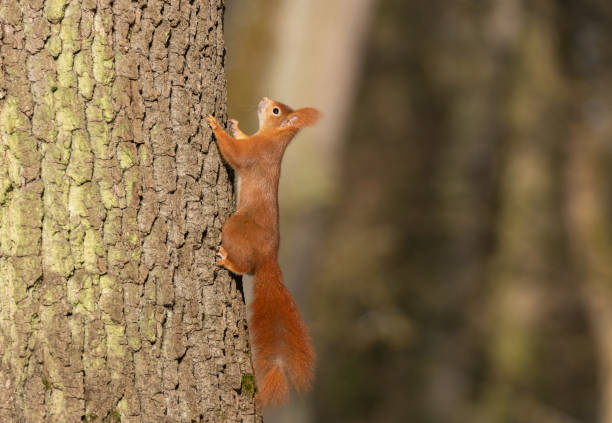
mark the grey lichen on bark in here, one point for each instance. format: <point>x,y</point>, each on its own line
<point>112,197</point>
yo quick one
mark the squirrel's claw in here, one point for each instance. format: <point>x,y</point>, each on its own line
<point>221,254</point>
<point>232,126</point>
<point>212,121</point>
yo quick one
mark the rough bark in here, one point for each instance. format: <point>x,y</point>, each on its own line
<point>112,196</point>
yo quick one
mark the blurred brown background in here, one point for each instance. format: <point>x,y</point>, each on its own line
<point>447,228</point>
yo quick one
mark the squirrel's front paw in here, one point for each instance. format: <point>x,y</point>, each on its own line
<point>212,122</point>
<point>232,126</point>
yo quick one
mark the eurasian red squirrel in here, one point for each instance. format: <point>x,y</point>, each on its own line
<point>250,240</point>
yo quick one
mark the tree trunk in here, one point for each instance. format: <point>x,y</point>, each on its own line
<point>527,235</point>
<point>112,196</point>
<point>589,226</point>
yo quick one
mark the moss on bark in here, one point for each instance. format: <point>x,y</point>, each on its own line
<point>102,311</point>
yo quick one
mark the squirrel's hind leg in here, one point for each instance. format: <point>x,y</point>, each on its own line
<point>223,260</point>
<point>237,252</point>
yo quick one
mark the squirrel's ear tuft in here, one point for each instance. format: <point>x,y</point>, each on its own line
<point>302,117</point>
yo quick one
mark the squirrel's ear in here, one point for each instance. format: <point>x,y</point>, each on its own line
<point>302,117</point>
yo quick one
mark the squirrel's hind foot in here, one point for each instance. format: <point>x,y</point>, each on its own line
<point>222,260</point>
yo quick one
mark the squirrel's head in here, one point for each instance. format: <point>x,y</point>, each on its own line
<point>274,114</point>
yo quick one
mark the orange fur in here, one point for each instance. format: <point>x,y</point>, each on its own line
<point>280,337</point>
<point>250,240</point>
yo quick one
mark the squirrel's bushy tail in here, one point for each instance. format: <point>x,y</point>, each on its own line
<point>280,338</point>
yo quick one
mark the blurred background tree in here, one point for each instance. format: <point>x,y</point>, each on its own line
<point>448,227</point>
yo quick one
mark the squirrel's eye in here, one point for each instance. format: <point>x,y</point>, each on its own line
<point>276,111</point>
